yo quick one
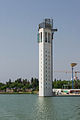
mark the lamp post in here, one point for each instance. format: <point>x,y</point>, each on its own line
<point>72,66</point>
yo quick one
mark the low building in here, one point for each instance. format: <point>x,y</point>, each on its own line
<point>9,90</point>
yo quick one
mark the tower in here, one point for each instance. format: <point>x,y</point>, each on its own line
<point>45,40</point>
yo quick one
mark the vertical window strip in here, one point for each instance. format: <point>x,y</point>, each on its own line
<point>41,36</point>
<point>45,36</point>
<point>48,37</point>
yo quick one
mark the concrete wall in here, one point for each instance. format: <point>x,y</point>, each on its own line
<point>45,64</point>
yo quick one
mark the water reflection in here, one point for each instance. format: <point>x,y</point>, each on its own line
<point>44,108</point>
<point>56,108</point>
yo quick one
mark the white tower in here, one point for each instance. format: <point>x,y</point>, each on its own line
<point>45,37</point>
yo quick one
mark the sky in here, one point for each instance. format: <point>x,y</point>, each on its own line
<point>19,21</point>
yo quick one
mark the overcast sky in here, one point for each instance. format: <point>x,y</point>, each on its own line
<point>19,21</point>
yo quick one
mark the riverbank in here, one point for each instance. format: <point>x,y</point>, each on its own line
<point>32,92</point>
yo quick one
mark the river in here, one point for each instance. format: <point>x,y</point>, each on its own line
<point>33,107</point>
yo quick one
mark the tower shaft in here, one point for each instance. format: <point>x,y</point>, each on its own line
<point>45,37</point>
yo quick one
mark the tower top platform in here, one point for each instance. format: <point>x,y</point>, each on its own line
<point>47,23</point>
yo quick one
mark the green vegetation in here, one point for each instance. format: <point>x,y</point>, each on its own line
<point>32,86</point>
<point>66,84</point>
<point>19,86</point>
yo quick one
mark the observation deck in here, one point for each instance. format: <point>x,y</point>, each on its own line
<point>47,23</point>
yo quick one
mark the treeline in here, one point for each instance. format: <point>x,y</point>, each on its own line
<point>20,85</point>
<point>66,84</point>
<point>33,85</point>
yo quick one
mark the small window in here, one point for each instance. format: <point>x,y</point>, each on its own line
<point>45,36</point>
<point>48,37</point>
<point>38,37</point>
<point>41,36</point>
<point>52,35</point>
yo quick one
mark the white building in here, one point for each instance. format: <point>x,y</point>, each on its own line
<point>45,39</point>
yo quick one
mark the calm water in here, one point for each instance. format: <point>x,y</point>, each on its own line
<point>32,107</point>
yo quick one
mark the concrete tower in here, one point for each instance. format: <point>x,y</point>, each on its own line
<point>45,40</point>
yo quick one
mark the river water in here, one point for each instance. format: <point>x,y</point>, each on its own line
<point>32,107</point>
